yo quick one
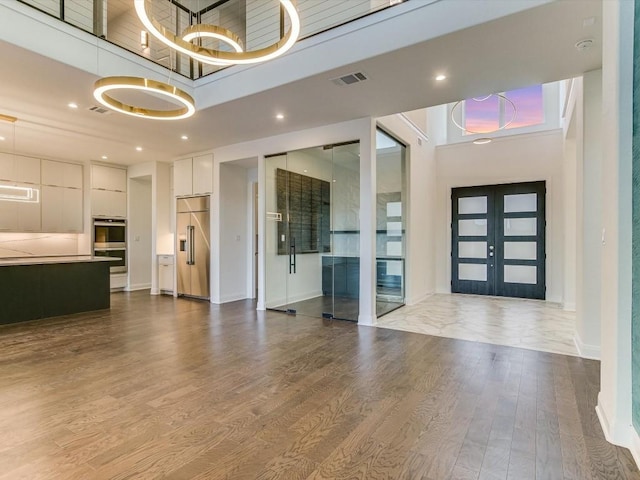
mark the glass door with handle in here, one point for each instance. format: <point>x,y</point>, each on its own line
<point>312,232</point>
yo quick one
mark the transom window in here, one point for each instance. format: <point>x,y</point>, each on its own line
<point>523,107</point>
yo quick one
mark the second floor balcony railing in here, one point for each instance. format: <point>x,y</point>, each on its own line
<point>257,22</point>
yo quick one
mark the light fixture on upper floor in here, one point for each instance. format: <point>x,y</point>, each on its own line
<point>144,39</point>
<point>482,141</point>
<point>108,84</point>
<point>507,101</point>
<point>212,56</point>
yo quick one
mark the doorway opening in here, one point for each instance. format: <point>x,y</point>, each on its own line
<point>498,240</point>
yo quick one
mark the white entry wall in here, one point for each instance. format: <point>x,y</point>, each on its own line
<point>518,158</point>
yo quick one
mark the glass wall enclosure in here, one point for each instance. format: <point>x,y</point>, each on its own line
<point>390,223</point>
<point>258,23</point>
<point>313,231</point>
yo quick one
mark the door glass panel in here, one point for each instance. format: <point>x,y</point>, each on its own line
<point>276,233</point>
<point>520,226</point>
<point>394,229</point>
<point>520,274</point>
<point>520,250</point>
<point>472,205</point>
<point>527,202</point>
<point>472,271</point>
<point>345,230</point>
<point>390,222</point>
<point>472,249</point>
<point>476,227</point>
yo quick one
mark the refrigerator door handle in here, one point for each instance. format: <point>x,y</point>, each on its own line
<point>191,259</point>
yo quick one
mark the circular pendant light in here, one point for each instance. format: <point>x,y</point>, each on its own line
<point>218,57</point>
<point>108,84</point>
<point>506,99</point>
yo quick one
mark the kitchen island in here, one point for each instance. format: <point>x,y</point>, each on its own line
<point>41,287</point>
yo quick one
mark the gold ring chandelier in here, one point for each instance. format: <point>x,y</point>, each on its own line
<point>218,57</point>
<point>108,84</point>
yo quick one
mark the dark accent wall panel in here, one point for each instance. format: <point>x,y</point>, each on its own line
<point>305,206</point>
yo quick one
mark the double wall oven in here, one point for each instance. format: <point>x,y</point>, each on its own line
<point>110,240</point>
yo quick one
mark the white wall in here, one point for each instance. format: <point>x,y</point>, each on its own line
<point>233,234</point>
<point>588,326</point>
<point>139,225</point>
<point>614,400</point>
<point>520,158</point>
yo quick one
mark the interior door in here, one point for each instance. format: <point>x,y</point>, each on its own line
<point>498,240</point>
<point>199,223</point>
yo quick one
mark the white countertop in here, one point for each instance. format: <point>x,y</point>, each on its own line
<point>7,261</point>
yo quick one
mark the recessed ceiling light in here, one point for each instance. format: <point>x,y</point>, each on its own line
<point>104,157</point>
<point>2,139</point>
<point>441,77</point>
<point>482,141</point>
<point>139,149</point>
<point>280,116</point>
<point>72,105</point>
<point>184,137</point>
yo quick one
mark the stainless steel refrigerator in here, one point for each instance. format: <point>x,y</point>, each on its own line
<point>193,249</point>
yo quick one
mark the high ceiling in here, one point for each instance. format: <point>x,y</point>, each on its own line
<point>534,46</point>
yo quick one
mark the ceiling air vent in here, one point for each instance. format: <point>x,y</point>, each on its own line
<point>350,79</point>
<point>100,110</point>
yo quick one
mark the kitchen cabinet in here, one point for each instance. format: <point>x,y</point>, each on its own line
<point>108,204</point>
<point>108,178</point>
<point>165,273</point>
<point>19,169</point>
<point>62,209</point>
<point>193,176</point>
<point>20,216</point>
<point>61,174</point>
<point>108,191</point>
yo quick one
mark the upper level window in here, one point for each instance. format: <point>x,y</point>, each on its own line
<point>523,107</point>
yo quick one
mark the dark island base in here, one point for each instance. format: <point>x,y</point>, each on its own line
<point>29,292</point>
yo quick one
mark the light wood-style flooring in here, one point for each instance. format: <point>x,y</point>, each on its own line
<point>180,389</point>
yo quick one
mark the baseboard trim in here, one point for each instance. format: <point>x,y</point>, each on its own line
<point>635,446</point>
<point>621,435</point>
<point>140,286</point>
<point>366,320</point>
<point>155,291</point>
<point>586,351</point>
<point>569,307</point>
<point>419,299</point>
<point>233,298</point>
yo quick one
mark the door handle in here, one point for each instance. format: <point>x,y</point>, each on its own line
<point>192,245</point>
<point>292,256</point>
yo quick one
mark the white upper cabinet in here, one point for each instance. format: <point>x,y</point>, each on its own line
<point>108,178</point>
<point>16,168</point>
<point>61,209</point>
<point>193,176</point>
<point>60,174</point>
<point>183,177</point>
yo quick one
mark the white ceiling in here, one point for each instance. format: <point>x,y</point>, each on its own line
<point>534,46</point>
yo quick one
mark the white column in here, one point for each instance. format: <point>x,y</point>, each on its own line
<point>262,225</point>
<point>614,400</point>
<point>367,314</point>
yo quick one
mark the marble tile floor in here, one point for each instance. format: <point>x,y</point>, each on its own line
<point>515,322</point>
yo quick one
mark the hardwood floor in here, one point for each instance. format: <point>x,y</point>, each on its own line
<point>180,389</point>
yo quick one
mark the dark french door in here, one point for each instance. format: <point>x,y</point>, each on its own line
<point>498,240</point>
